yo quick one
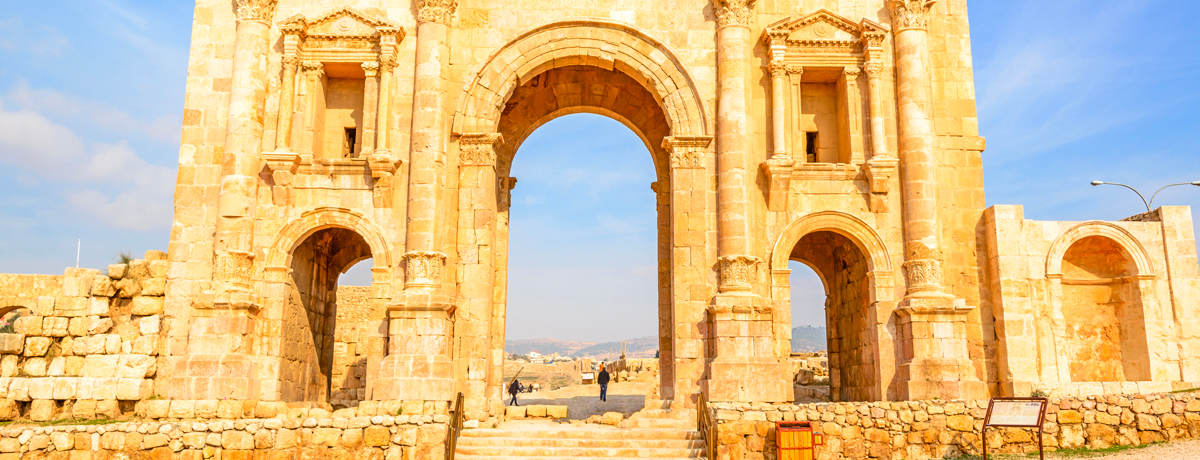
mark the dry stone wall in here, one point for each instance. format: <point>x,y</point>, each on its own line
<point>938,429</point>
<point>89,344</point>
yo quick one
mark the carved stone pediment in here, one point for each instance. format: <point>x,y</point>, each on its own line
<point>823,30</point>
<point>348,22</point>
<point>343,35</point>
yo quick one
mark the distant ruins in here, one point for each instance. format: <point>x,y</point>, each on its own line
<point>842,134</point>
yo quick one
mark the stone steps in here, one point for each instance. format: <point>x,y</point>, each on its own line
<point>656,443</point>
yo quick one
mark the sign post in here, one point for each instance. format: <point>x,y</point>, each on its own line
<point>1015,413</point>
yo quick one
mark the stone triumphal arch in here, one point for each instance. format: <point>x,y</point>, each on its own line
<point>841,134</point>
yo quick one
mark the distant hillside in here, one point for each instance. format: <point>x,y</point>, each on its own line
<point>808,339</point>
<point>644,347</point>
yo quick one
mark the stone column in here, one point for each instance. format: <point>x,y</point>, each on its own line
<point>879,144</point>
<point>853,113</point>
<point>744,367</point>
<point>418,364</point>
<point>370,108</point>
<point>287,88</point>
<point>666,315</point>
<point>477,206</point>
<point>234,259</point>
<point>495,388</point>
<point>778,168</point>
<point>313,71</point>
<point>388,40</point>
<point>932,322</point>
<point>779,74</point>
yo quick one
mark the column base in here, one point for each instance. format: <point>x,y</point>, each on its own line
<point>415,377</point>
<point>933,330</point>
<point>748,380</point>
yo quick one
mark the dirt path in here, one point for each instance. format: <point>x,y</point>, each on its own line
<point>1179,450</point>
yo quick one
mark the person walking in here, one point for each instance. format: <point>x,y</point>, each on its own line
<point>513,389</point>
<point>602,379</point>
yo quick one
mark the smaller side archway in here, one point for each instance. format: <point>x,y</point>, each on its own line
<point>1101,288</point>
<point>854,266</point>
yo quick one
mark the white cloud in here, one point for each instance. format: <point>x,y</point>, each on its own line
<point>32,142</point>
<point>164,129</point>
<point>41,41</point>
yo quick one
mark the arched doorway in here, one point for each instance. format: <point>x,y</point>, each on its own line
<point>613,70</point>
<point>309,325</point>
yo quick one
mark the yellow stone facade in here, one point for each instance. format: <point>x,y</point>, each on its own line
<point>838,133</point>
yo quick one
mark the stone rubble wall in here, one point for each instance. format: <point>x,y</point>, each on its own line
<point>937,429</point>
<point>90,344</point>
<point>350,348</point>
<point>375,437</point>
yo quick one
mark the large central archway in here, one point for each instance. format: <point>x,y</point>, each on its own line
<point>607,69</point>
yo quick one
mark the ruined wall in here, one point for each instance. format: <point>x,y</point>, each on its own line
<point>943,429</point>
<point>90,344</point>
<point>350,348</point>
<point>1086,308</point>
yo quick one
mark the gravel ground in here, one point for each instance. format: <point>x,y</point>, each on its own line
<point>1179,450</point>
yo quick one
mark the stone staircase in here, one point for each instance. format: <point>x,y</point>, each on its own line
<point>655,432</point>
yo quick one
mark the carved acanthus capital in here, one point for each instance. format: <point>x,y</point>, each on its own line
<point>440,11</point>
<point>851,72</point>
<point>370,68</point>
<point>255,10</point>
<point>795,69</point>
<point>873,68</point>
<point>923,275</point>
<point>686,151</point>
<point>479,149</point>
<point>313,67</point>
<point>290,61</point>
<point>738,272</point>
<point>423,268</point>
<point>910,14</point>
<point>234,268</point>
<point>778,69</point>
<point>733,12</point>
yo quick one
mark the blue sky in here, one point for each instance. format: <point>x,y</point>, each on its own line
<point>91,96</point>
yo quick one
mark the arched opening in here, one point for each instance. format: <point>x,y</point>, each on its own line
<point>313,343</point>
<point>352,331</point>
<point>1105,333</point>
<point>809,359</point>
<point>597,283</point>
<point>843,267</point>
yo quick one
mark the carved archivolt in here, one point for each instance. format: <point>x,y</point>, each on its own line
<point>1114,232</point>
<point>847,225</point>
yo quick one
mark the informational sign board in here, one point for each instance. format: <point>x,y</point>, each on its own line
<point>1015,413</point>
<point>587,377</point>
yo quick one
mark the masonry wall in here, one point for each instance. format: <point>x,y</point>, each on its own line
<point>90,344</point>
<point>939,429</point>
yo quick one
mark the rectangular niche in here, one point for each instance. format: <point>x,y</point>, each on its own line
<point>342,114</point>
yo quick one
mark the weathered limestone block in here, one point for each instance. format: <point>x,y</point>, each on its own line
<point>138,268</point>
<point>117,271</point>
<point>9,410</point>
<point>144,305</point>
<point>78,326</point>
<point>102,287</point>
<point>8,365</point>
<point>134,389</point>
<point>99,306</point>
<point>37,346</point>
<point>57,366</point>
<point>28,325</point>
<point>556,411</point>
<point>42,410</point>
<point>12,344</point>
<point>158,268</point>
<point>42,388</point>
<point>154,286</point>
<point>182,409</point>
<point>515,411</point>
<point>149,325</point>
<point>145,345</point>
<point>64,388</point>
<point>55,326</point>
<point>101,366</point>
<point>128,287</point>
<point>99,325</point>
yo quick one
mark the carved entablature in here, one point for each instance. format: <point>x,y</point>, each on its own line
<point>343,35</point>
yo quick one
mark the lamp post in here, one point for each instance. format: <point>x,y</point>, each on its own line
<point>1149,204</point>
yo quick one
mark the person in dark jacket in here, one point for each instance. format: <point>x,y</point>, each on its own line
<point>602,379</point>
<point>513,389</point>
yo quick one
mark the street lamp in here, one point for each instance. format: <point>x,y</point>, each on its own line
<point>1149,204</point>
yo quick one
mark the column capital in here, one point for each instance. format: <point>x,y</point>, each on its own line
<point>733,12</point>
<point>439,11</point>
<point>313,67</point>
<point>686,151</point>
<point>851,72</point>
<point>778,69</point>
<point>910,14</point>
<point>255,10</point>
<point>923,275</point>
<point>370,68</point>
<point>479,149</point>
<point>873,68</point>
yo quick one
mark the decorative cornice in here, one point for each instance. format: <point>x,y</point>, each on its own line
<point>255,10</point>
<point>294,25</point>
<point>910,14</point>
<point>479,149</point>
<point>440,11</point>
<point>733,12</point>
